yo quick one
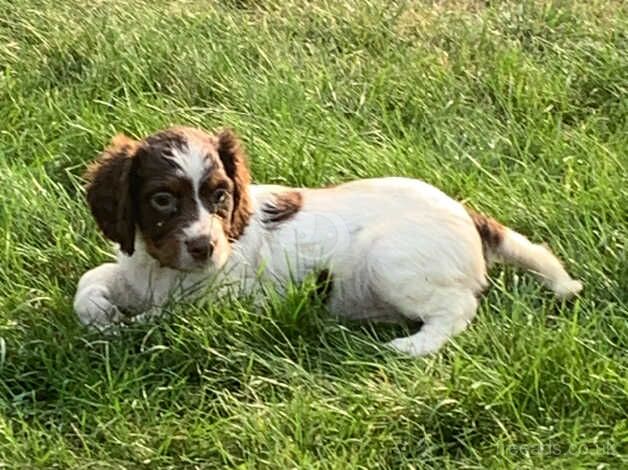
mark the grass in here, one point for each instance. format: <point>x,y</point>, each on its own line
<point>519,108</point>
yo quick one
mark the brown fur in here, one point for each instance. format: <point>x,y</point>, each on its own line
<point>109,192</point>
<point>218,180</point>
<point>233,159</point>
<point>491,232</point>
<point>128,173</point>
<point>164,141</point>
<point>160,232</point>
<point>154,173</point>
<point>284,206</point>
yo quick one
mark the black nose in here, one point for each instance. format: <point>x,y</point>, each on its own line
<point>200,248</point>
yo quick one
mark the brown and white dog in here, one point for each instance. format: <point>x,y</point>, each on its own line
<point>181,207</point>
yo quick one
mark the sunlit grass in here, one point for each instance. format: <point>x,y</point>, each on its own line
<point>518,108</point>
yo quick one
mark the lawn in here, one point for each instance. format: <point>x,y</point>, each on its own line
<point>518,108</point>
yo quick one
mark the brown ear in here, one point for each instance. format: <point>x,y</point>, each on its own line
<point>233,159</point>
<point>109,192</point>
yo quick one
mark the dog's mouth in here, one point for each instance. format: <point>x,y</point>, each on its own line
<point>214,263</point>
<point>198,267</point>
<point>178,255</point>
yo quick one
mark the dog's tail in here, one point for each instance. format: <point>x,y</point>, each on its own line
<point>504,245</point>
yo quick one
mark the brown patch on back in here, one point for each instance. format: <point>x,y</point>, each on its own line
<point>282,207</point>
<point>491,232</point>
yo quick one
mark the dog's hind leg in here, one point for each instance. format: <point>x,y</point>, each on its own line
<point>447,313</point>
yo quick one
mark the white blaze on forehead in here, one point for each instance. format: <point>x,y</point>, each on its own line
<point>192,162</point>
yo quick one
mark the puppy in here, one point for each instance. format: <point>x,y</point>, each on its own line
<point>181,207</point>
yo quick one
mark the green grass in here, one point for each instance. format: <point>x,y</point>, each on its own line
<point>519,108</point>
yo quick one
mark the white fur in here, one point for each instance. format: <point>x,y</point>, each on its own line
<point>192,161</point>
<point>396,247</point>
<point>538,259</point>
<point>114,293</point>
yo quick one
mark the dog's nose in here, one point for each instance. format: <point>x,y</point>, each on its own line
<point>200,248</point>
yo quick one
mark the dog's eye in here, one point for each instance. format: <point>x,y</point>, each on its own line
<point>219,196</point>
<point>164,202</point>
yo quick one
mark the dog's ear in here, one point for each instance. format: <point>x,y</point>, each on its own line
<point>233,158</point>
<point>109,192</point>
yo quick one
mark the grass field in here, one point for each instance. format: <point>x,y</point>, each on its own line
<point>518,108</point>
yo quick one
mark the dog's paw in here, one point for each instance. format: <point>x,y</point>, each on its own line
<point>411,346</point>
<point>96,311</point>
<point>401,345</point>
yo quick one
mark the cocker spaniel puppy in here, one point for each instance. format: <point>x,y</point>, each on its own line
<point>185,215</point>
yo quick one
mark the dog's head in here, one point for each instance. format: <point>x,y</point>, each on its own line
<point>182,191</point>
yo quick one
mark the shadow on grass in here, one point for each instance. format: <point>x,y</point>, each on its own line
<point>53,366</point>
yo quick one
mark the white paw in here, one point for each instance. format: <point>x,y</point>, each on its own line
<point>96,311</point>
<point>568,288</point>
<point>408,346</point>
<point>146,316</point>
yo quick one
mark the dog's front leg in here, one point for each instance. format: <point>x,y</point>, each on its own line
<point>101,295</point>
